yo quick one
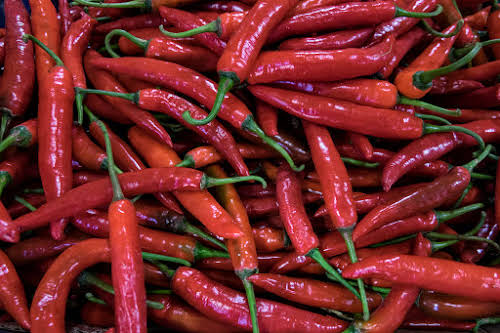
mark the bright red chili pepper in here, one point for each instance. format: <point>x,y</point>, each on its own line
<point>223,6</point>
<point>361,144</point>
<point>308,5</point>
<point>266,261</point>
<point>267,118</point>
<point>199,292</point>
<point>332,41</point>
<point>129,48</point>
<point>475,251</point>
<point>269,205</point>
<point>86,152</point>
<point>479,19</point>
<point>24,135</point>
<point>268,239</point>
<point>18,79</point>
<point>224,24</point>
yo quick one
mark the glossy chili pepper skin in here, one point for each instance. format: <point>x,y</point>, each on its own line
<point>134,183</point>
<point>268,239</point>
<point>376,93</point>
<point>293,213</point>
<point>224,6</point>
<point>199,292</point>
<point>313,292</point>
<point>308,5</point>
<point>431,58</point>
<point>87,152</point>
<point>321,65</point>
<point>150,20</point>
<point>494,31</point>
<point>269,205</point>
<point>55,116</point>
<point>49,303</point>
<point>74,44</point>
<point>335,183</point>
<point>185,20</point>
<point>244,46</point>
<point>455,307</point>
<point>443,189</point>
<point>420,321</point>
<point>165,102</point>
<point>267,118</point>
<point>441,275</point>
<point>129,48</point>
<point>105,81</point>
<point>16,86</point>
<point>2,46</point>
<point>483,98</point>
<point>475,251</point>
<point>339,114</point>
<point>26,133</point>
<point>445,86</point>
<point>484,72</point>
<point>200,204</point>
<point>332,41</point>
<point>46,28</point>
<point>127,268</point>
<point>103,109</point>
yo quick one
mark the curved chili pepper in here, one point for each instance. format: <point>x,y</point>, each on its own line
<point>18,77</point>
<point>198,290</point>
<point>129,48</point>
<point>266,261</point>
<point>325,111</point>
<point>267,118</point>
<point>24,135</point>
<point>444,86</point>
<point>361,144</point>
<point>332,41</point>
<point>49,303</point>
<point>242,249</point>
<point>441,275</point>
<point>474,251</point>
<point>418,320</point>
<point>103,80</point>
<point>64,16</point>
<point>321,65</point>
<point>376,93</point>
<point>268,239</point>
<point>191,56</point>
<point>133,85</point>
<point>87,152</point>
<point>192,84</point>
<point>152,20</point>
<point>46,28</point>
<point>455,307</point>
<point>74,44</point>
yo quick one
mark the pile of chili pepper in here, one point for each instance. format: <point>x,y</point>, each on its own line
<point>271,166</point>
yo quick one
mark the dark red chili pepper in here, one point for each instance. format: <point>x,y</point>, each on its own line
<point>267,118</point>
<point>132,23</point>
<point>83,177</point>
<point>87,152</point>
<point>445,276</point>
<point>474,251</point>
<point>105,81</point>
<point>267,206</point>
<point>494,31</point>
<point>479,19</point>
<point>417,320</point>
<point>484,98</point>
<point>24,135</point>
<point>455,307</point>
<point>133,85</point>
<point>308,5</point>
<point>445,86</point>
<point>46,28</point>
<point>105,110</point>
<point>64,16</point>
<point>191,84</point>
<point>332,41</point>
<point>2,46</point>
<point>18,79</point>
<point>376,93</point>
<point>94,314</point>
<point>321,65</point>
<point>335,113</point>
<point>484,72</point>
<point>74,44</point>
<point>361,144</point>
<point>225,26</point>
<point>198,291</point>
<point>266,261</point>
<point>17,209</point>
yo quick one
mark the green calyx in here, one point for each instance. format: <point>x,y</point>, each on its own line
<point>428,106</point>
<point>187,162</point>
<point>5,179</point>
<point>207,181</point>
<point>359,163</point>
<point>19,136</point>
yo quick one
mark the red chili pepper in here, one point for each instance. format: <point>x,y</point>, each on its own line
<point>191,84</point>
<point>105,81</point>
<point>2,46</point>
<point>455,307</point>
<point>321,65</point>
<point>376,93</point>
<point>223,6</point>
<point>267,118</point>
<point>226,25</point>
<point>95,314</point>
<point>16,86</point>
<point>268,239</point>
<point>267,206</point>
<point>308,5</point>
<point>332,41</point>
<point>152,20</point>
<point>494,31</point>
<point>483,98</point>
<point>129,48</point>
<point>74,44</point>
<point>484,72</point>
<point>266,261</point>
<point>445,86</point>
<point>24,135</point>
<point>199,292</point>
<point>83,177</point>
<point>87,152</point>
<point>49,303</point>
<point>419,321</point>
<point>133,85</point>
<point>441,275</point>
<point>47,29</point>
<point>474,251</point>
<point>339,114</point>
<point>105,110</point>
<point>17,209</point>
<point>64,16</point>
<point>361,144</point>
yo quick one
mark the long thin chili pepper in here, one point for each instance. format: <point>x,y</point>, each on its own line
<point>224,6</point>
<point>18,79</point>
<point>65,16</point>
<point>242,249</point>
<point>332,41</point>
<point>420,321</point>
<point>105,110</point>
<point>55,114</point>
<point>24,135</point>
<point>267,118</point>
<point>146,5</point>
<point>194,85</point>
<point>494,31</point>
<point>86,152</point>
<point>131,23</point>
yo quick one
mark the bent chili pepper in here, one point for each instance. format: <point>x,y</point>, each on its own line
<point>194,85</point>
<point>475,251</point>
<point>105,110</point>
<point>87,152</point>
<point>269,205</point>
<point>55,115</point>
<point>268,239</point>
<point>242,249</point>
<point>441,275</point>
<point>199,292</point>
<point>18,79</point>
<point>24,135</point>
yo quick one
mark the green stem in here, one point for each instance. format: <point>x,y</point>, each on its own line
<point>478,227</point>
<point>447,215</point>
<point>91,298</point>
<point>169,273</point>
<point>428,128</point>
<point>462,196</point>
<point>474,163</point>
<point>159,292</point>
<point>207,181</point>
<point>436,33</point>
<point>195,231</point>
<point>202,252</point>
<point>485,321</point>
<point>25,203</point>
<point>464,238</point>
<point>460,52</point>
<point>187,162</point>
<point>79,108</point>
<point>44,47</point>
<point>133,97</point>
<point>225,85</point>
<point>351,250</point>
<point>128,4</point>
<point>142,43</point>
<point>252,304</point>
<point>316,255</point>
<point>432,117</point>
<point>160,257</point>
<point>34,190</point>
<point>339,314</point>
<point>438,246</point>
<point>401,12</point>
<point>359,163</point>
<point>103,18</point>
<point>423,79</point>
<point>214,26</point>
<point>428,106</point>
<point>3,126</point>
<point>8,141</point>
<point>482,176</point>
<point>250,125</point>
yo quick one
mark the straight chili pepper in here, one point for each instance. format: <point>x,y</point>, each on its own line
<point>18,79</point>
<point>308,5</point>
<point>418,320</point>
<point>24,135</point>
<point>242,249</point>
<point>332,41</point>
<point>483,98</point>
<point>192,84</point>
<point>267,118</point>
<point>64,15</point>
<point>152,20</point>
<point>198,291</point>
<point>146,5</point>
<point>105,110</point>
